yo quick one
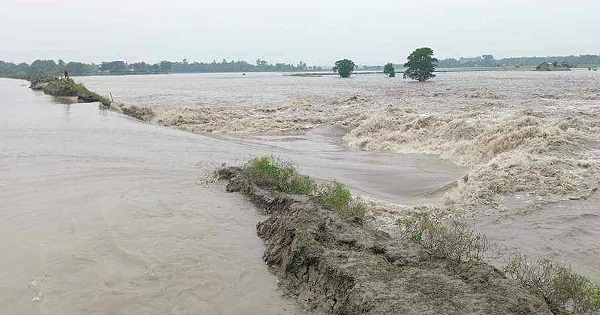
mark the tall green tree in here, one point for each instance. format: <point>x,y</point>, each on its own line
<point>389,70</point>
<point>344,67</point>
<point>420,65</point>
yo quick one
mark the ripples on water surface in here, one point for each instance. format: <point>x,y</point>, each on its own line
<point>518,131</point>
<point>100,213</point>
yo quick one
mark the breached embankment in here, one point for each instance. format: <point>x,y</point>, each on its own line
<point>519,152</point>
<point>546,144</point>
<point>524,151</point>
<point>334,264</point>
<point>295,117</point>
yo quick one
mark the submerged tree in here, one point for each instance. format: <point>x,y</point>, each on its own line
<point>344,67</point>
<point>389,70</point>
<point>420,65</point>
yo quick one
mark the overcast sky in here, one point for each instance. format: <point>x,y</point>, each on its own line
<point>317,32</point>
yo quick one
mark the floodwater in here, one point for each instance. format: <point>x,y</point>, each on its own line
<point>517,133</point>
<point>100,213</point>
<point>565,230</point>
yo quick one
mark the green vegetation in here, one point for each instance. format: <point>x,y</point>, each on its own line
<point>389,70</point>
<point>456,241</point>
<point>56,68</point>
<point>267,171</point>
<point>544,66</point>
<point>270,172</point>
<point>344,67</point>
<point>52,68</point>
<point>586,61</point>
<point>562,287</point>
<point>420,65</point>
<point>565,290</point>
<point>337,197</point>
<point>58,87</point>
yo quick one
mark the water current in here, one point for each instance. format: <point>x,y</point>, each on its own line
<point>100,213</point>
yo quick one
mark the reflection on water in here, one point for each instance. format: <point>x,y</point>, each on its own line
<point>64,100</point>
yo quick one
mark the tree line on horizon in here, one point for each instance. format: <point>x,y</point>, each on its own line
<point>583,61</point>
<point>50,67</point>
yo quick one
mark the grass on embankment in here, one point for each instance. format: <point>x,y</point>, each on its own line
<point>268,171</point>
<point>564,290</point>
<point>58,87</point>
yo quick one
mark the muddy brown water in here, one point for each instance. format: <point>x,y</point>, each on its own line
<point>566,230</point>
<point>100,213</point>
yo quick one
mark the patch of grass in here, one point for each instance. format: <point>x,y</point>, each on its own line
<point>455,240</point>
<point>70,88</point>
<point>562,287</point>
<point>268,171</point>
<point>337,197</point>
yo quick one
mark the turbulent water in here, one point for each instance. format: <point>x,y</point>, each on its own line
<point>529,141</point>
<point>100,213</point>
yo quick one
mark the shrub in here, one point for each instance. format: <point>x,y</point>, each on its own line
<point>267,171</point>
<point>270,172</point>
<point>389,70</point>
<point>337,197</point>
<point>456,240</point>
<point>562,287</point>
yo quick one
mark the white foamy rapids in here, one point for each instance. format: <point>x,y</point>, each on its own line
<point>294,117</point>
<point>524,151</point>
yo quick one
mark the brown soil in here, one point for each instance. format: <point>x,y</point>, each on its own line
<point>338,266</point>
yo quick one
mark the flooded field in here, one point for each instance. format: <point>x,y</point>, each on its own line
<point>103,213</point>
<point>528,142</point>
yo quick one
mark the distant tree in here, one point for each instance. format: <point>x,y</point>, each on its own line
<point>344,67</point>
<point>114,67</point>
<point>488,61</point>
<point>61,65</point>
<point>555,64</point>
<point>420,65</point>
<point>301,66</point>
<point>565,64</point>
<point>43,67</point>
<point>140,67</point>
<point>389,70</point>
<point>78,68</point>
<point>166,66</point>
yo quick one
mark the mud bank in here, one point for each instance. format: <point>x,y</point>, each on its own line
<point>336,265</point>
<point>56,87</point>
